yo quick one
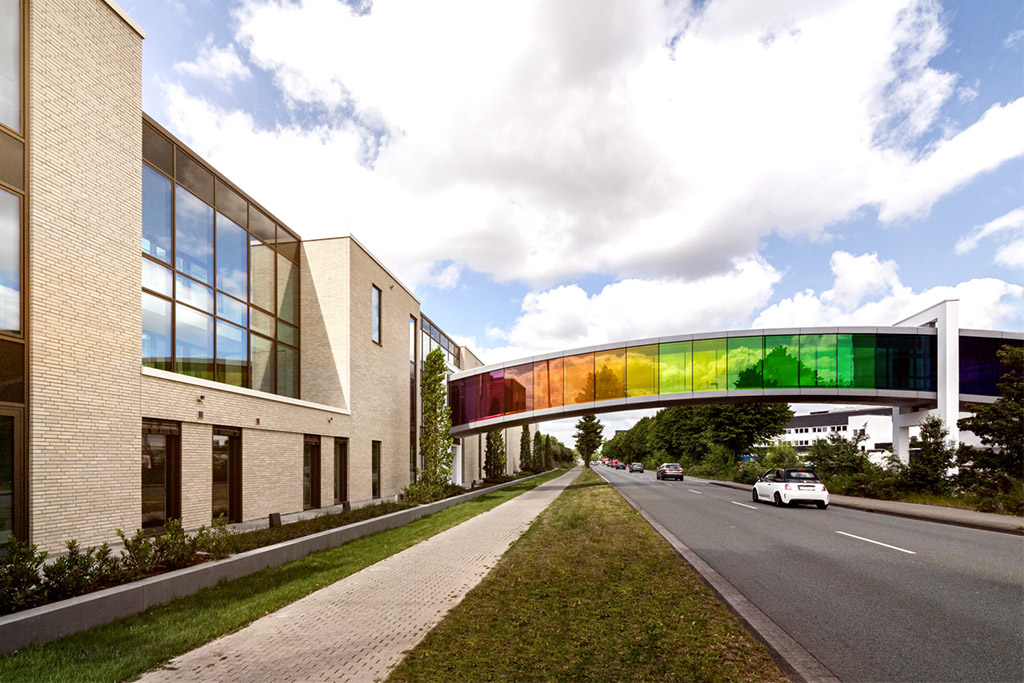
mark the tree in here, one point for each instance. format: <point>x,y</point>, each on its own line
<point>837,455</point>
<point>1000,425</point>
<point>929,466</point>
<point>588,437</point>
<point>538,451</point>
<point>494,458</point>
<point>525,451</point>
<point>549,456</point>
<point>436,439</point>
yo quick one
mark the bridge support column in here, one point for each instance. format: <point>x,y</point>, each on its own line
<point>945,318</point>
<point>457,464</point>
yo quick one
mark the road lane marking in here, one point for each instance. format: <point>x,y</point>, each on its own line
<point>742,505</point>
<point>667,484</point>
<point>861,538</point>
<point>697,492</point>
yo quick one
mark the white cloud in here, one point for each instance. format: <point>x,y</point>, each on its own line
<point>858,276</point>
<point>221,65</point>
<point>538,141</point>
<point>985,303</point>
<point>1009,227</point>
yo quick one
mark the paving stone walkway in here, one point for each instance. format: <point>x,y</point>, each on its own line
<point>360,627</point>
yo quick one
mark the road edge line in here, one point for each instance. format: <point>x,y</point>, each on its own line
<point>796,662</point>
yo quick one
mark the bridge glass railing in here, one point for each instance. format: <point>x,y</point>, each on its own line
<point>797,361</point>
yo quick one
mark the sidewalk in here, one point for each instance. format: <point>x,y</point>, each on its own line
<point>988,521</point>
<point>360,627</point>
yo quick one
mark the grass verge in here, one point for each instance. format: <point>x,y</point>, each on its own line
<point>592,593</point>
<point>126,648</point>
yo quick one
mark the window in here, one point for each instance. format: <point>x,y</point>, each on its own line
<point>10,263</point>
<point>10,65</point>
<point>227,474</point>
<point>311,472</point>
<point>340,470</point>
<point>375,314</point>
<point>375,469</point>
<point>161,473</point>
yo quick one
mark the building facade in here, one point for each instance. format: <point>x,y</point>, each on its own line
<point>168,347</point>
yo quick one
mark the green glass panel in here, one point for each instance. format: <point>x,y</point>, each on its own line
<point>818,360</point>
<point>579,378</point>
<point>745,357</point>
<point>675,367</point>
<point>781,362</point>
<point>642,371</point>
<point>863,361</point>
<point>610,367</point>
<point>844,361</point>
<point>709,365</point>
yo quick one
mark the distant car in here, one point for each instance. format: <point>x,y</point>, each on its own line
<point>619,465</point>
<point>636,467</point>
<point>790,486</point>
<point>669,470</point>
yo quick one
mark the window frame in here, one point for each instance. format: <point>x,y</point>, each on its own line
<point>376,317</point>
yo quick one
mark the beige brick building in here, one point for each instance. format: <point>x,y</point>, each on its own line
<point>260,374</point>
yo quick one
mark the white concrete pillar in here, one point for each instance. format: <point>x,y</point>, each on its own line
<point>457,464</point>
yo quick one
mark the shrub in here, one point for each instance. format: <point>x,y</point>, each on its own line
<point>139,556</point>
<point>421,492</point>
<point>70,574</point>
<point>174,548</point>
<point>20,580</point>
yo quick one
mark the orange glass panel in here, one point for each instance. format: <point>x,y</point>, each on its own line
<point>610,374</point>
<point>540,385</point>
<point>579,378</point>
<point>519,388</point>
<point>556,378</point>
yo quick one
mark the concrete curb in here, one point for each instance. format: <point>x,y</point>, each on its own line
<point>796,662</point>
<point>969,519</point>
<point>49,622</point>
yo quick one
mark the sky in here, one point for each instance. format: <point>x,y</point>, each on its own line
<point>550,175</point>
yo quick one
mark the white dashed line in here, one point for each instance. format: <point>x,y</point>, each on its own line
<point>697,492</point>
<point>742,505</point>
<point>861,538</point>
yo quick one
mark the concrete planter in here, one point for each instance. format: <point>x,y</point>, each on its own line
<point>50,622</point>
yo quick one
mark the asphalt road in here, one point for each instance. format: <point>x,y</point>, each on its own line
<point>935,603</point>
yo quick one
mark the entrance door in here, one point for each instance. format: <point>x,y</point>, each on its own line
<point>161,473</point>
<point>12,492</point>
<point>340,471</point>
<point>227,474</point>
<point>311,473</point>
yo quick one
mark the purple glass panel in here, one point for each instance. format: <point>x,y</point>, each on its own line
<point>493,394</point>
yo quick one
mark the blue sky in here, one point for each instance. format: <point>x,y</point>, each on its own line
<point>550,175</point>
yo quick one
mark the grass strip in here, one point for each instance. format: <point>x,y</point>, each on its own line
<point>590,593</point>
<point>126,648</point>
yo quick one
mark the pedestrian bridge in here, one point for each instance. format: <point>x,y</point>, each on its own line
<point>930,367</point>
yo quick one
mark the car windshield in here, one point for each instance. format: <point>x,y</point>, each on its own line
<point>671,466</point>
<point>806,475</point>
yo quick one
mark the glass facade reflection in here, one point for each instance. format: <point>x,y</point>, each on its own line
<point>220,278</point>
<point>902,362</point>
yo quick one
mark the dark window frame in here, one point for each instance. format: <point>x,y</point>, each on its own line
<point>340,473</point>
<point>375,458</point>
<point>172,481</point>
<point>310,441</point>
<point>376,315</point>
<point>234,435</point>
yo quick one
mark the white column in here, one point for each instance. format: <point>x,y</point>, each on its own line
<point>457,464</point>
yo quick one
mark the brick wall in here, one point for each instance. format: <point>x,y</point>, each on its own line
<point>83,279</point>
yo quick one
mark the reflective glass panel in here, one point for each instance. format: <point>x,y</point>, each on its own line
<point>375,469</point>
<point>579,378</point>
<point>782,362</point>
<point>745,357</point>
<point>610,374</point>
<point>261,226</point>
<point>709,365</point>
<point>194,294</point>
<point>556,382</point>
<point>863,351</point>
<point>287,371</point>
<point>10,67</point>
<point>287,244</point>
<point>844,361</point>
<point>264,363</point>
<point>540,385</point>
<point>232,354</point>
<point>375,315</point>
<point>675,367</point>
<point>193,220</point>
<point>221,475</point>
<point>494,394</point>
<point>232,257</point>
<point>232,309</point>
<point>12,373</point>
<point>10,262</point>
<point>519,388</point>
<point>192,175</point>
<point>262,276</point>
<point>156,332</point>
<point>156,215</point>
<point>154,479</point>
<point>818,360</point>
<point>7,437</point>
<point>287,290</point>
<point>157,278</point>
<point>193,342</point>
<point>262,323</point>
<point>979,365</point>
<point>288,334</point>
<point>231,204</point>
<point>642,371</point>
<point>157,150</point>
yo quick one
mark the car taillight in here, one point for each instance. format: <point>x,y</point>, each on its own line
<point>787,487</point>
<point>824,489</point>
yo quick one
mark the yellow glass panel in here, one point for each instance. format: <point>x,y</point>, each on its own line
<point>611,374</point>
<point>709,365</point>
<point>555,382</point>
<point>579,378</point>
<point>675,363</point>
<point>642,370</point>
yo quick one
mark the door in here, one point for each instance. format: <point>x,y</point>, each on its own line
<point>340,471</point>
<point>12,490</point>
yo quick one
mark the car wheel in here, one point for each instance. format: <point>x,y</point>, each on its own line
<point>778,499</point>
<point>822,505</point>
<point>757,498</point>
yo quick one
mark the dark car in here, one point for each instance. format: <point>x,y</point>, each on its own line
<point>669,470</point>
<point>620,465</point>
<point>636,467</point>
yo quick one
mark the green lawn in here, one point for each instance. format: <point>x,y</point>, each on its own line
<point>589,593</point>
<point>126,648</point>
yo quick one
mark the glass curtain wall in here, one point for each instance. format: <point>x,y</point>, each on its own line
<point>220,297</point>
<point>796,361</point>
